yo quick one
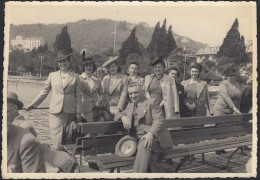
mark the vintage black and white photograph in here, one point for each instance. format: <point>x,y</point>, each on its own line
<point>129,89</point>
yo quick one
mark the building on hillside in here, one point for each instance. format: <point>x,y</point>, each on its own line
<point>207,53</point>
<point>26,44</point>
<point>249,46</point>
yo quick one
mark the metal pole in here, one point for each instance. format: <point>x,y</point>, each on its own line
<point>184,67</point>
<point>41,58</point>
<point>114,42</point>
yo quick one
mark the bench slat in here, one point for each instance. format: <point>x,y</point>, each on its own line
<point>209,133</point>
<point>102,144</point>
<point>193,121</point>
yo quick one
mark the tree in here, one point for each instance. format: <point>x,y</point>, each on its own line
<point>63,41</point>
<point>130,46</point>
<point>152,47</point>
<point>233,46</point>
<point>162,42</point>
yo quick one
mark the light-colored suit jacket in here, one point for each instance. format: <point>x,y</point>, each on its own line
<point>63,98</point>
<point>150,118</point>
<point>89,98</point>
<point>24,152</point>
<point>170,95</point>
<point>203,100</point>
<point>116,98</point>
<point>228,98</point>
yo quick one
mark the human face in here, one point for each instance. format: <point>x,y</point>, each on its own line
<point>173,73</point>
<point>135,94</point>
<point>112,68</point>
<point>194,73</point>
<point>158,69</point>
<point>64,64</point>
<point>11,112</point>
<point>89,68</point>
<point>133,69</point>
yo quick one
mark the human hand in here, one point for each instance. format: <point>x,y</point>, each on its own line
<point>190,107</point>
<point>161,104</point>
<point>126,122</point>
<point>148,140</point>
<point>193,106</point>
<point>236,110</point>
<point>29,108</point>
<point>78,116</point>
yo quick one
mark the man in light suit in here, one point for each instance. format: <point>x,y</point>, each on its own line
<point>65,97</point>
<point>144,118</point>
<point>24,152</point>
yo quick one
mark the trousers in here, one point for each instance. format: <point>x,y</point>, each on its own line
<point>57,122</point>
<point>146,159</point>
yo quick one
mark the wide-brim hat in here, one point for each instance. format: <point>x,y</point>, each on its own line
<point>230,71</point>
<point>110,61</point>
<point>63,54</point>
<point>156,61</point>
<point>86,60</point>
<point>196,65</point>
<point>126,146</point>
<point>13,98</point>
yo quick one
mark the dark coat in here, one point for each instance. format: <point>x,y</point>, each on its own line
<point>180,90</point>
<point>246,98</point>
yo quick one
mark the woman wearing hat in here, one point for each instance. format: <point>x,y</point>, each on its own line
<point>162,87</point>
<point>230,95</point>
<point>196,93</point>
<point>65,94</point>
<point>174,72</point>
<point>114,87</point>
<point>91,90</point>
<point>133,70</point>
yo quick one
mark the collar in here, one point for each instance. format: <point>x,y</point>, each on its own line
<point>159,78</point>
<point>83,75</point>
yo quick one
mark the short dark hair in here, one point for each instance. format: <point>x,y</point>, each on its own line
<point>94,67</point>
<point>160,62</point>
<point>134,62</point>
<point>174,68</point>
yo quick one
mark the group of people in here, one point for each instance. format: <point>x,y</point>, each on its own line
<point>140,103</point>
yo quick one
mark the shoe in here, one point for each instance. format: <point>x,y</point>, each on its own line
<point>223,151</point>
<point>218,152</point>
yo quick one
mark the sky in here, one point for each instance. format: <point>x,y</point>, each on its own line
<point>203,22</point>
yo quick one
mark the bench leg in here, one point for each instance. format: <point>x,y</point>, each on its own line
<point>233,153</point>
<point>181,163</point>
<point>203,157</point>
<point>111,170</point>
<point>118,170</point>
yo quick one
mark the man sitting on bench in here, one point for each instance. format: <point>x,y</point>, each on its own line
<point>144,118</point>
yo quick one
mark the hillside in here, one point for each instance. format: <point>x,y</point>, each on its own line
<point>96,35</point>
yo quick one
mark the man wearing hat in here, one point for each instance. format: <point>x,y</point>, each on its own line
<point>91,93</point>
<point>24,152</point>
<point>144,118</point>
<point>64,100</point>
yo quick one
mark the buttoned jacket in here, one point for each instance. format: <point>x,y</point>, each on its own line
<point>228,98</point>
<point>150,118</point>
<point>169,93</point>
<point>116,98</point>
<point>24,152</point>
<point>203,100</point>
<point>64,98</point>
<point>89,98</point>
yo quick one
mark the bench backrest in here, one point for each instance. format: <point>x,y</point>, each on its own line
<point>183,130</point>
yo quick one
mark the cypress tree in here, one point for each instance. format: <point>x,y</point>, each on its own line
<point>130,46</point>
<point>153,46</point>
<point>63,41</point>
<point>233,46</point>
<point>161,51</point>
<point>170,42</point>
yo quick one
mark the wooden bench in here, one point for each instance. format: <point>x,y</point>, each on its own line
<point>191,136</point>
